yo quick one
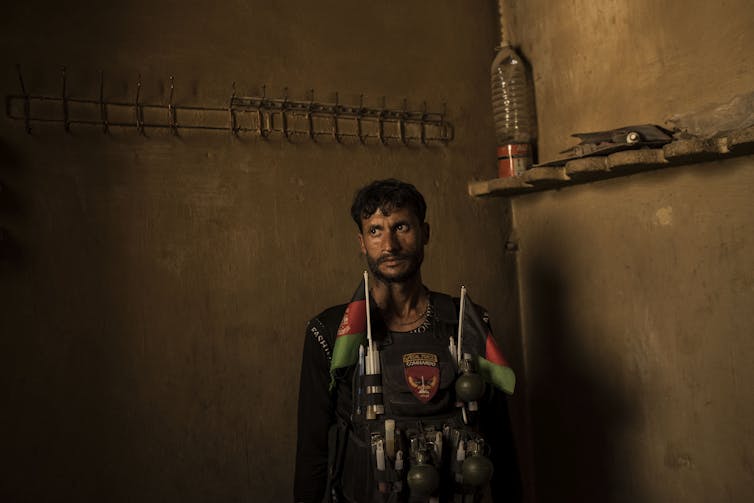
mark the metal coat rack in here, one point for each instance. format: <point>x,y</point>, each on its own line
<point>259,115</point>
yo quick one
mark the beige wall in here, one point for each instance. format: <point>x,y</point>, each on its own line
<point>637,292</point>
<point>153,309</point>
<point>613,63</point>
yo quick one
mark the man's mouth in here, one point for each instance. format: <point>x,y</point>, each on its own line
<point>391,261</point>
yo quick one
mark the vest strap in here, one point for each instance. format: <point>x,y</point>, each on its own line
<point>446,308</point>
<point>372,380</point>
<point>374,399</point>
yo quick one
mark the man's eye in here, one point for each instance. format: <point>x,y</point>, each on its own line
<point>373,231</point>
<point>401,227</point>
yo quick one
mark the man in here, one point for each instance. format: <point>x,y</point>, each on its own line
<point>424,443</point>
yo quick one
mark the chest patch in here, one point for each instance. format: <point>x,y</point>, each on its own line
<point>422,374</point>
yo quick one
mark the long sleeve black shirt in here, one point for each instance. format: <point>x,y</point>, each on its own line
<point>316,414</point>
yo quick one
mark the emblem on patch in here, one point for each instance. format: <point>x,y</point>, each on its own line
<point>422,374</point>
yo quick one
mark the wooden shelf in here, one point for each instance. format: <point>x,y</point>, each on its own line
<point>587,169</point>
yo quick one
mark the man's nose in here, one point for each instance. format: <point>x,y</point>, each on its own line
<point>391,243</point>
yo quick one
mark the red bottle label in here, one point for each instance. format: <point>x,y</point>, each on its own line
<point>513,159</point>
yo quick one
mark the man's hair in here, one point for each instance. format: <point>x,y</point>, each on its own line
<point>387,196</point>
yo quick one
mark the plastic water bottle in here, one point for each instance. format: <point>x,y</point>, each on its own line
<point>513,110</point>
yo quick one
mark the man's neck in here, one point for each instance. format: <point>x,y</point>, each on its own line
<point>400,302</point>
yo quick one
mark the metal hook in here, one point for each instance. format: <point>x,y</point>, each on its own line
<point>336,109</point>
<point>231,112</point>
<point>137,109</point>
<point>102,105</point>
<point>359,113</point>
<point>381,123</point>
<point>262,118</point>
<point>284,114</point>
<point>402,123</point>
<point>423,124</point>
<point>66,122</point>
<point>27,101</point>
<point>443,125</point>
<point>172,116</point>
<point>309,119</point>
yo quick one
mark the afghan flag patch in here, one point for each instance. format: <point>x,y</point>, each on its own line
<point>492,366</point>
<point>351,333</point>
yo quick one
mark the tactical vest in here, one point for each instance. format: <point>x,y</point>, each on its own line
<point>425,447</point>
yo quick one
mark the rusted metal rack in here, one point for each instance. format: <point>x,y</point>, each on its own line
<point>259,115</point>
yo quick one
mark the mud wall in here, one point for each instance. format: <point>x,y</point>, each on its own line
<point>636,291</point>
<point>154,289</point>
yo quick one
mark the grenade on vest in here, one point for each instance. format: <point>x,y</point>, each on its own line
<point>476,468</point>
<point>423,478</point>
<point>469,385</point>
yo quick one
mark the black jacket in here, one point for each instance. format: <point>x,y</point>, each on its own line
<point>319,409</point>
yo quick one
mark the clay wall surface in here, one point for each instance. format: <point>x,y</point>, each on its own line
<point>637,291</point>
<point>157,287</point>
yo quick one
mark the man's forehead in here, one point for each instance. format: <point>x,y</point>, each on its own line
<point>391,214</point>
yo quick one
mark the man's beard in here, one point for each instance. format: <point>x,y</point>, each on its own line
<point>414,264</point>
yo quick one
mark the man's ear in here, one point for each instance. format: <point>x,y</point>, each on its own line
<point>425,232</point>
<point>361,243</point>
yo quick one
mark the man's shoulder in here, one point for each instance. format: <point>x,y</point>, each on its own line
<point>453,304</point>
<point>331,314</point>
<point>323,327</point>
<point>326,323</point>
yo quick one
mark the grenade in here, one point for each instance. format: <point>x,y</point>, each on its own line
<point>469,385</point>
<point>477,470</point>
<point>423,478</point>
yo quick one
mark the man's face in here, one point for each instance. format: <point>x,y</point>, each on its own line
<point>394,244</point>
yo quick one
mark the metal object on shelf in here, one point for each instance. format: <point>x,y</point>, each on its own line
<point>260,115</point>
<point>602,143</point>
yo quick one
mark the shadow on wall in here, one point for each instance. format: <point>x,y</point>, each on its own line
<point>11,209</point>
<point>50,393</point>
<point>577,417</point>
